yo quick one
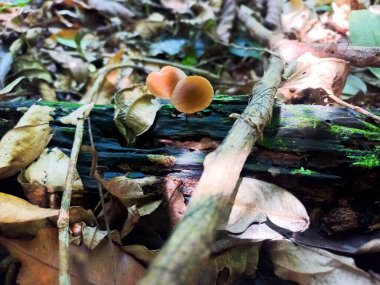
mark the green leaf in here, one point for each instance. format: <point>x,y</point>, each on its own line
<point>353,85</point>
<point>364,28</point>
<point>243,48</point>
<point>375,71</point>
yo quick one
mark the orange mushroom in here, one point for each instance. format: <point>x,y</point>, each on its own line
<point>161,84</point>
<point>192,94</point>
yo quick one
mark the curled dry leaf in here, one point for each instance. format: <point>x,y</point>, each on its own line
<point>310,78</point>
<point>16,210</point>
<point>150,26</point>
<point>135,111</point>
<point>25,142</point>
<point>47,175</point>
<point>128,191</point>
<point>92,236</point>
<point>322,267</point>
<point>40,262</point>
<point>227,19</point>
<point>294,19</point>
<point>256,200</point>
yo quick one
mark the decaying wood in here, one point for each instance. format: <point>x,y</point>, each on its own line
<point>332,142</point>
<point>189,244</point>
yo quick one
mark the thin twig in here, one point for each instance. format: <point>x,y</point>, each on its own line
<point>192,69</point>
<point>355,108</point>
<point>248,48</point>
<point>195,70</point>
<point>63,219</point>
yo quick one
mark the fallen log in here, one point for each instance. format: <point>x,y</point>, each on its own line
<point>316,151</point>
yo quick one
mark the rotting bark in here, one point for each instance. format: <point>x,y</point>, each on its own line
<point>190,243</point>
<point>332,145</point>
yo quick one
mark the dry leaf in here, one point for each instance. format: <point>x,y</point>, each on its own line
<point>256,200</point>
<point>25,142</point>
<point>141,253</point>
<point>258,232</point>
<point>40,263</point>
<point>311,266</point>
<point>127,190</point>
<point>312,78</point>
<point>294,20</point>
<point>16,210</point>
<point>79,114</point>
<point>178,6</point>
<point>150,26</point>
<point>240,261</point>
<point>50,171</point>
<point>92,236</point>
<point>227,19</point>
<point>105,93</point>
<point>135,112</point>
<point>111,8</point>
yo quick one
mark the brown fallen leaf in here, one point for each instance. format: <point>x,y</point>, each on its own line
<point>47,175</point>
<point>312,266</point>
<point>256,200</point>
<point>25,142</point>
<point>127,190</point>
<point>231,265</point>
<point>311,77</point>
<point>19,218</point>
<point>17,210</point>
<point>40,263</point>
<point>135,112</point>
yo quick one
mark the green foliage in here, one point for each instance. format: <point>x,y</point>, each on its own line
<point>303,171</point>
<point>353,85</point>
<point>365,31</point>
<point>367,161</point>
<point>16,3</point>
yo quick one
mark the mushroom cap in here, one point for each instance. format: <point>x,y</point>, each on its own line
<point>161,84</point>
<point>192,94</point>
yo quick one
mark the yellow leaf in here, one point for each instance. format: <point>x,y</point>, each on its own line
<point>26,141</point>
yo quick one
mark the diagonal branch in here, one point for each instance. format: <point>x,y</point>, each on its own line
<point>190,243</point>
<point>289,50</point>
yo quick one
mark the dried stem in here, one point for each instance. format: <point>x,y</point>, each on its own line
<point>63,219</point>
<point>355,108</point>
<point>190,243</point>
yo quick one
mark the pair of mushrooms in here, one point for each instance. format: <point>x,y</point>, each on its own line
<point>189,94</point>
